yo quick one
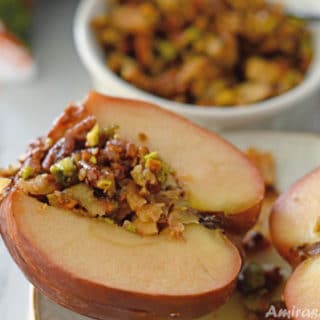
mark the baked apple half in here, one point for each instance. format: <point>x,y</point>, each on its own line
<point>122,212</point>
<point>295,230</point>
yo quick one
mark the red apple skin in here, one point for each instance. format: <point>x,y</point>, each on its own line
<point>72,292</point>
<point>241,222</point>
<point>294,217</point>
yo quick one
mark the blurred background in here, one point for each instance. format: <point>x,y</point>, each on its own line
<point>27,110</point>
<point>28,107</point>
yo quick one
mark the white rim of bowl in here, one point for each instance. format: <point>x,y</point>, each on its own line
<point>279,103</point>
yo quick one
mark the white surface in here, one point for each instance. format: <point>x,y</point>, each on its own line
<point>311,7</point>
<point>28,110</point>
<point>220,117</point>
<point>295,155</point>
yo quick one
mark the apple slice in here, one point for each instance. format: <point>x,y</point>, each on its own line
<point>294,221</point>
<point>106,272</point>
<point>295,231</point>
<point>217,177</point>
<point>91,267</point>
<point>302,290</point>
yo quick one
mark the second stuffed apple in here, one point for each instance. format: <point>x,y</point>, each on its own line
<point>295,230</point>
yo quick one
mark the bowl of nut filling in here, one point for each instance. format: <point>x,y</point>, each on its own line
<point>222,63</point>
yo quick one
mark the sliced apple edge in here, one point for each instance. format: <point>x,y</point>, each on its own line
<point>294,220</point>
<point>217,176</point>
<point>43,243</point>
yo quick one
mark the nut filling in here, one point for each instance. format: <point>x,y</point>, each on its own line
<point>93,172</point>
<point>205,52</point>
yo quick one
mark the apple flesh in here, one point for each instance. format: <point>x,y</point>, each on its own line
<point>216,175</point>
<point>105,272</point>
<point>302,290</point>
<point>294,224</point>
<point>74,259</point>
<point>294,220</point>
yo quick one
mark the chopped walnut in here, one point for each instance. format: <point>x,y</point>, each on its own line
<point>94,173</point>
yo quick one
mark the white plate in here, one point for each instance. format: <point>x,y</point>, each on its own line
<point>296,154</point>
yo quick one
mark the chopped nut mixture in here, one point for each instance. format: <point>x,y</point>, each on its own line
<point>204,52</point>
<point>92,171</point>
<point>254,278</point>
<point>257,284</point>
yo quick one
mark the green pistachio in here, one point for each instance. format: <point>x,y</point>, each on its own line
<point>104,184</point>
<point>251,279</point>
<point>163,173</point>
<point>111,131</point>
<point>151,155</point>
<point>166,50</point>
<point>93,136</point>
<point>93,160</point>
<point>106,220</point>
<point>191,34</point>
<point>64,170</point>
<point>128,225</point>
<point>27,172</point>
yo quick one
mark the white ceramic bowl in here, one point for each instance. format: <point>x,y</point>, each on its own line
<point>105,81</point>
